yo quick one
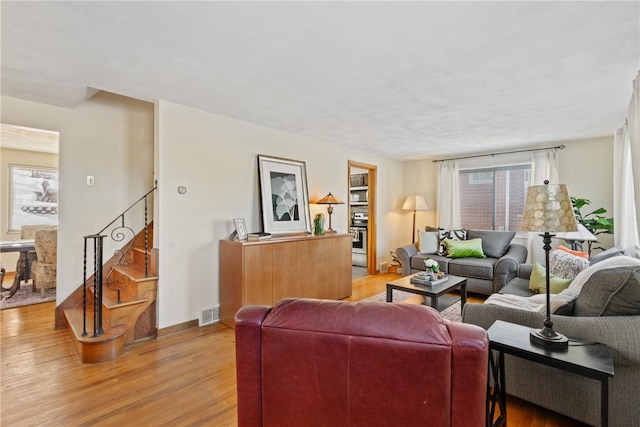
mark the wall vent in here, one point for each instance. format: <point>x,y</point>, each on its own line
<point>209,315</point>
<point>384,267</point>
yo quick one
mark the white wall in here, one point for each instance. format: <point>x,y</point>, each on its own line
<point>109,137</point>
<point>215,158</point>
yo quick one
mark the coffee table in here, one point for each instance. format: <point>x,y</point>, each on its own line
<point>436,293</point>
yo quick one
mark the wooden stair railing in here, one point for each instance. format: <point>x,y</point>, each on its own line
<point>122,303</point>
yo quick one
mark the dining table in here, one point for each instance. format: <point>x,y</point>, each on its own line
<point>22,273</point>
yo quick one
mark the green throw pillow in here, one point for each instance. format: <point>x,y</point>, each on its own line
<point>538,281</point>
<point>464,248</point>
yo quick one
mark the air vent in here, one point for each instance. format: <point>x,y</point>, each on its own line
<point>209,315</point>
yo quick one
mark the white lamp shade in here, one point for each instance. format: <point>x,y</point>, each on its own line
<point>415,203</point>
<point>582,235</point>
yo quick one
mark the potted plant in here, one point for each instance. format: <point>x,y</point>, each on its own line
<point>594,221</point>
<point>395,263</point>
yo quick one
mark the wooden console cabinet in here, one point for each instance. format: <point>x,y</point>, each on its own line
<point>264,272</point>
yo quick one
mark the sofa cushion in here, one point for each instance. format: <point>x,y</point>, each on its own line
<point>479,268</point>
<point>517,286</point>
<point>464,248</point>
<point>566,265</point>
<point>452,235</point>
<point>494,243</point>
<point>428,242</point>
<point>417,262</point>
<point>610,292</point>
<point>538,281</point>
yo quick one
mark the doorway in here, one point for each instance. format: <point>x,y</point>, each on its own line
<point>362,184</point>
<point>30,199</point>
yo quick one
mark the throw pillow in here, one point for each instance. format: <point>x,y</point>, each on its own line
<point>581,254</point>
<point>464,248</point>
<point>610,292</point>
<point>452,235</point>
<point>494,243</point>
<point>565,265</point>
<point>538,281</point>
<point>428,242</point>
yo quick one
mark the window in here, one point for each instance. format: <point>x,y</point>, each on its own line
<point>34,196</point>
<point>493,198</point>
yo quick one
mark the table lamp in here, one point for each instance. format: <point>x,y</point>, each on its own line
<point>329,199</point>
<point>548,209</point>
<point>415,203</point>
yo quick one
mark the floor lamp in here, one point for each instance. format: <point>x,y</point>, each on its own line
<point>548,209</point>
<point>415,203</point>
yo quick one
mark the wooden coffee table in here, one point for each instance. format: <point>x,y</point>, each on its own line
<point>436,293</point>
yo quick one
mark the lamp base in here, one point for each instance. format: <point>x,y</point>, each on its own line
<point>548,338</point>
<point>330,231</point>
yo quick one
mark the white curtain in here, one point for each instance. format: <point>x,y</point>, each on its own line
<point>544,165</point>
<point>626,207</point>
<point>633,119</point>
<point>625,230</point>
<point>448,196</point>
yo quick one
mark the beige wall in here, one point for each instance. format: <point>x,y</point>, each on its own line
<point>109,137</point>
<point>24,158</point>
<point>586,166</point>
<point>215,158</point>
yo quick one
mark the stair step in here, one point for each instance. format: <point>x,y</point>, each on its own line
<point>102,348</point>
<point>136,272</point>
<point>110,298</point>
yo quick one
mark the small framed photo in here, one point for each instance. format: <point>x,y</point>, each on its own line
<point>241,228</point>
<point>284,198</point>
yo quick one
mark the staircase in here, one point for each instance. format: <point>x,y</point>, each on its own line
<point>124,322</point>
<point>116,305</point>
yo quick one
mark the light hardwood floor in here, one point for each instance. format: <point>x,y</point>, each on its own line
<point>187,379</point>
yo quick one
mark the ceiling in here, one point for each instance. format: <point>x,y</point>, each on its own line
<point>404,79</point>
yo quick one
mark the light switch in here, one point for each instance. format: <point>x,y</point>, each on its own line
<point>91,181</point>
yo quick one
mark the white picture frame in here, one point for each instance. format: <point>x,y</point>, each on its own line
<point>283,195</point>
<point>241,228</point>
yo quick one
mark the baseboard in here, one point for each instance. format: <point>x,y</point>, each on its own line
<point>180,327</point>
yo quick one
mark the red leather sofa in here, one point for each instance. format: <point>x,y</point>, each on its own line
<point>331,363</point>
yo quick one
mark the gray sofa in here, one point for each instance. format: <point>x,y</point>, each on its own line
<point>484,275</point>
<point>607,310</point>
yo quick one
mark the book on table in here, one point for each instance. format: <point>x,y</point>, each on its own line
<point>423,279</point>
<point>258,236</point>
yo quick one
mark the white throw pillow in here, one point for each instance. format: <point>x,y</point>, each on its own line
<point>428,242</point>
<point>566,265</point>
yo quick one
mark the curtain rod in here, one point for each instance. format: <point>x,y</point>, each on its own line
<point>558,147</point>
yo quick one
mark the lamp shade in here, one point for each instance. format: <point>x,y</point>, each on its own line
<point>548,208</point>
<point>415,203</point>
<point>329,199</point>
<point>582,235</point>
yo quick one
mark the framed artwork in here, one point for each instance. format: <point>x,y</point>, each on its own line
<point>33,196</point>
<point>283,195</point>
<point>241,228</point>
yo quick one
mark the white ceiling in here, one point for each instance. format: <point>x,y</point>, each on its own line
<point>404,79</point>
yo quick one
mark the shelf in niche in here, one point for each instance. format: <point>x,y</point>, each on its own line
<point>359,188</point>
<point>359,203</point>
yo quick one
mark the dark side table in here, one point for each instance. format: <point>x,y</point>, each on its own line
<point>592,360</point>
